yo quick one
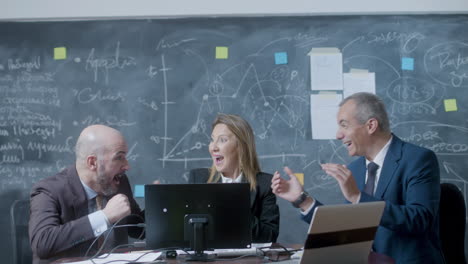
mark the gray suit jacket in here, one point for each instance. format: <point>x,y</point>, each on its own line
<point>265,212</point>
<point>59,226</point>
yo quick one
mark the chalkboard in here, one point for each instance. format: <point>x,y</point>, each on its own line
<point>160,83</point>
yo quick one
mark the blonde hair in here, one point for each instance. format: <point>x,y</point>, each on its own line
<point>248,161</point>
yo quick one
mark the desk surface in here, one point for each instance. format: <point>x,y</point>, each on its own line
<point>246,260</point>
<point>374,258</point>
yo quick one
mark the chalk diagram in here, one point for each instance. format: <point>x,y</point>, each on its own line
<point>263,109</point>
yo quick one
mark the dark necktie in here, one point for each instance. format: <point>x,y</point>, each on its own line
<point>371,171</point>
<point>99,202</point>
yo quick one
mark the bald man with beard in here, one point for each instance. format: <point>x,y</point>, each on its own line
<point>65,217</point>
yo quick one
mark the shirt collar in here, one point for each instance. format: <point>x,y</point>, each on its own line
<point>380,157</point>
<point>230,180</point>
<point>90,193</point>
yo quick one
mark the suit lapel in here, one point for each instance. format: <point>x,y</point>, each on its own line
<point>360,173</point>
<point>253,193</point>
<point>390,166</point>
<point>80,201</point>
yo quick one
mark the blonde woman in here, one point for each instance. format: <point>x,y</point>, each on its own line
<point>232,149</point>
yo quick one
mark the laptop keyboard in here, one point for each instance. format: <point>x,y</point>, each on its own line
<point>235,252</point>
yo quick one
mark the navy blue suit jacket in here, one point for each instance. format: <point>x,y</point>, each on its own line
<point>409,183</point>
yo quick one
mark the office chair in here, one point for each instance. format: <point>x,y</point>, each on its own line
<point>19,214</point>
<point>452,212</point>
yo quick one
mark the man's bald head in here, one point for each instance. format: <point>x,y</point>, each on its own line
<point>101,158</point>
<point>95,140</point>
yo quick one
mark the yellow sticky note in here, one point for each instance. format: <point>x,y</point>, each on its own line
<point>60,53</point>
<point>222,52</point>
<point>450,105</point>
<point>300,177</point>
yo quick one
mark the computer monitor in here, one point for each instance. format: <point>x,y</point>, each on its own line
<point>198,216</point>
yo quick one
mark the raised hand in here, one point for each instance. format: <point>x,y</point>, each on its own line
<point>117,207</point>
<point>345,179</point>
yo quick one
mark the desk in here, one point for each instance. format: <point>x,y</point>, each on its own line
<point>181,259</point>
<point>374,258</point>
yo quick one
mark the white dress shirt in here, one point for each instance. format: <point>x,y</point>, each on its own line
<point>230,180</point>
<point>379,160</point>
<point>98,220</point>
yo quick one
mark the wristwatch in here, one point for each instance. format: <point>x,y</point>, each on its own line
<point>301,199</point>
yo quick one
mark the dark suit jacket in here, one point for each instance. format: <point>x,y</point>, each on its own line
<point>410,185</point>
<point>59,225</point>
<point>265,212</point>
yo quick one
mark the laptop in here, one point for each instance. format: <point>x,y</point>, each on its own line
<point>342,233</point>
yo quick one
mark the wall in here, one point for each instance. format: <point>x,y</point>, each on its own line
<point>56,9</point>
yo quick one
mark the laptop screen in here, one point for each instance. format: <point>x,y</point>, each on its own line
<point>342,233</point>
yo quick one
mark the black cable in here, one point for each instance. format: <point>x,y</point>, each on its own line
<point>115,225</point>
<point>288,252</point>
<point>135,260</point>
<point>120,260</point>
<point>108,234</point>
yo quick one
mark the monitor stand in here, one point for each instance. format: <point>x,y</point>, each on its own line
<point>198,225</point>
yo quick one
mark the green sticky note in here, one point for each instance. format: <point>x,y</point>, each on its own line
<point>450,105</point>
<point>222,52</point>
<point>60,53</point>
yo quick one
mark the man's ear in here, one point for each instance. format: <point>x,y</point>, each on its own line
<point>91,162</point>
<point>372,125</point>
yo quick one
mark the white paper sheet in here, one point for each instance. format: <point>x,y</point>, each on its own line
<point>122,258</point>
<point>323,110</point>
<point>326,69</point>
<point>358,81</point>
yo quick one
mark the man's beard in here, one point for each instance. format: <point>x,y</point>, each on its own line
<point>106,184</point>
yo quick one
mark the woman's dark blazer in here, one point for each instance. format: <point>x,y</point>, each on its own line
<point>265,212</point>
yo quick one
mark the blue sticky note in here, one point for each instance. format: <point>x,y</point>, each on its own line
<point>281,58</point>
<point>139,191</point>
<point>407,64</point>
